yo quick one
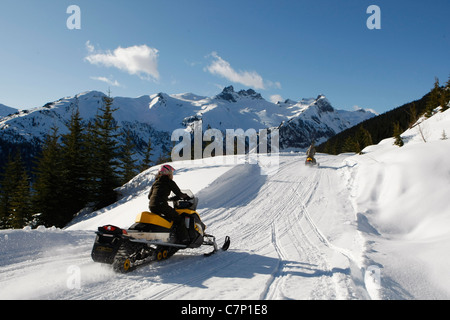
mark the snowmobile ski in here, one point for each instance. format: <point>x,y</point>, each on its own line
<point>224,247</point>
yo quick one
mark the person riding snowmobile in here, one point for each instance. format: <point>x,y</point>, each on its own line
<point>310,153</point>
<point>159,195</point>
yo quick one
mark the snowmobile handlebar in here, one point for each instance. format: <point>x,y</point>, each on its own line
<point>177,198</point>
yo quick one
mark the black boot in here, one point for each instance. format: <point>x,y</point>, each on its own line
<point>183,235</point>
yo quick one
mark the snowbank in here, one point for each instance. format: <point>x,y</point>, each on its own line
<point>404,194</point>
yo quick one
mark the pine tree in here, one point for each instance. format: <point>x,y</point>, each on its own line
<point>412,115</point>
<point>146,162</point>
<point>15,210</point>
<point>331,148</point>
<point>445,99</point>
<point>397,133</point>
<point>20,211</point>
<point>128,163</point>
<point>434,100</point>
<point>48,196</point>
<point>5,194</point>
<point>90,151</point>
<point>351,145</point>
<point>74,164</point>
<point>165,156</point>
<point>363,139</point>
<point>106,154</point>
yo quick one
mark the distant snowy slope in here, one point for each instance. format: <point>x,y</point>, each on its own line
<point>5,110</point>
<point>132,114</point>
<point>300,122</point>
<point>156,116</point>
<point>317,121</point>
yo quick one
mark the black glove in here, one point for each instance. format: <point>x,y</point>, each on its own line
<point>186,196</point>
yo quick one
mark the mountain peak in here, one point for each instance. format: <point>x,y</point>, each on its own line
<point>250,93</point>
<point>228,89</point>
<point>228,94</point>
<point>5,110</point>
<point>323,104</point>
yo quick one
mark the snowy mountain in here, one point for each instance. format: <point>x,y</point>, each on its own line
<point>317,120</point>
<point>299,122</point>
<point>156,116</point>
<point>5,110</point>
<point>371,226</point>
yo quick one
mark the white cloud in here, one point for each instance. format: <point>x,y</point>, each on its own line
<point>114,83</point>
<point>89,46</point>
<point>223,68</point>
<point>136,60</point>
<point>275,84</point>
<point>276,98</point>
<point>356,108</point>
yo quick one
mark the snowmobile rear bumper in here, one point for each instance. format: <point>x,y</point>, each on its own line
<point>106,246</point>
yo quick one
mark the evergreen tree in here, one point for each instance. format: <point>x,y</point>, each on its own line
<point>445,99</point>
<point>434,100</point>
<point>6,189</point>
<point>363,139</point>
<point>106,154</point>
<point>380,127</point>
<point>128,163</point>
<point>90,151</point>
<point>330,148</point>
<point>74,164</point>
<point>165,155</point>
<point>20,211</point>
<point>412,115</point>
<point>49,197</point>
<point>351,145</point>
<point>15,210</point>
<point>397,133</point>
<point>146,162</point>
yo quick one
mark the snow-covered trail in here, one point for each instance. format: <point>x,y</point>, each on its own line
<point>278,251</point>
<point>294,236</point>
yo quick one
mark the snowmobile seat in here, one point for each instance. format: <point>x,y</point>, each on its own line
<point>153,218</point>
<point>151,222</point>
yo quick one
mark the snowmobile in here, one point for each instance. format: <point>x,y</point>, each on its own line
<point>310,161</point>
<point>152,238</point>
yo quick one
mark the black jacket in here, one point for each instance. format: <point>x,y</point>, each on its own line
<point>160,191</point>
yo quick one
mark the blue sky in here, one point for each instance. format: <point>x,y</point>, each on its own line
<point>283,49</point>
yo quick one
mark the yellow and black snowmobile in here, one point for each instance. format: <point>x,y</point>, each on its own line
<point>310,161</point>
<point>151,238</point>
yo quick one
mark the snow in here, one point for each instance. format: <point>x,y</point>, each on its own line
<point>371,226</point>
<point>5,110</point>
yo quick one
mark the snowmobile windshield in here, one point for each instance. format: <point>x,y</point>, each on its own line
<point>190,204</point>
<point>189,193</point>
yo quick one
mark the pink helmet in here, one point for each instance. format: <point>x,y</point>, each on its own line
<point>166,170</point>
